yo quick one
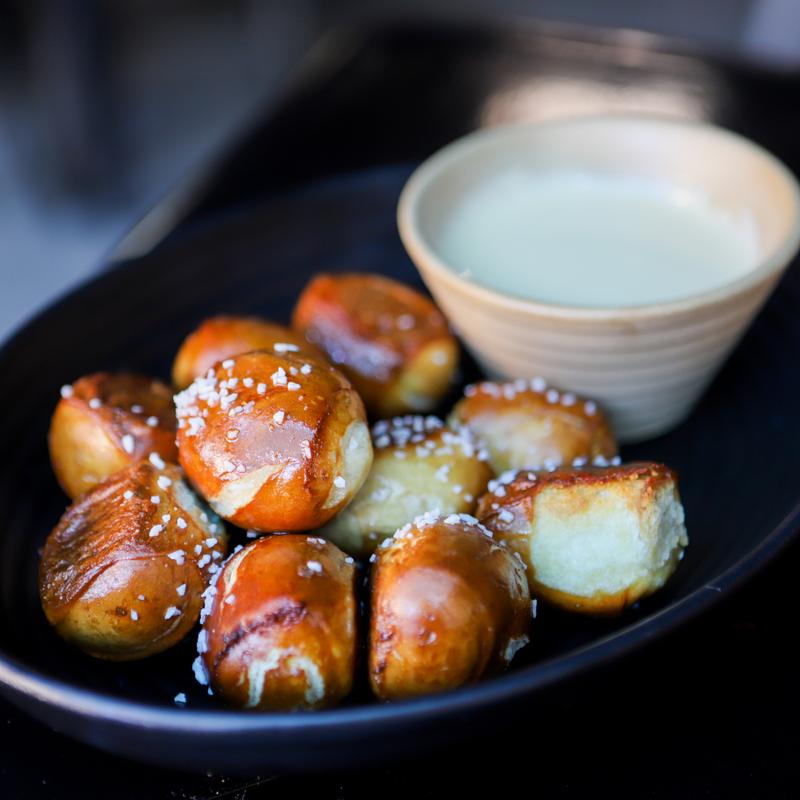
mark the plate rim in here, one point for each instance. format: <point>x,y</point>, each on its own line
<point>498,689</point>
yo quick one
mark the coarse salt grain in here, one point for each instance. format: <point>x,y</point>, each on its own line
<point>181,523</point>
<point>339,482</point>
<point>538,384</point>
<point>314,566</point>
<point>228,363</point>
<point>128,443</point>
<point>156,460</point>
<point>172,611</point>
<point>181,590</point>
<point>285,347</point>
<point>306,369</point>
<point>163,482</point>
<point>180,699</point>
<point>155,530</point>
<point>292,386</point>
<point>178,556</point>
<point>127,494</point>
<point>152,421</point>
<point>200,671</point>
<point>442,473</point>
<point>134,615</point>
<point>279,417</point>
<point>95,402</point>
<point>67,390</point>
<point>405,322</point>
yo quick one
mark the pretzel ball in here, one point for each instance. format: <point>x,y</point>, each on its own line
<point>419,465</point>
<point>529,425</point>
<point>390,340</point>
<point>122,574</point>
<point>274,442</point>
<point>221,337</point>
<point>595,540</point>
<point>106,421</point>
<point>449,606</point>
<point>279,625</point>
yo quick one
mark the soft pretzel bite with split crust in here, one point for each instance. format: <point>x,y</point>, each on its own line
<point>274,442</point>
<point>449,606</point>
<point>218,338</point>
<point>279,628</point>
<point>530,425</point>
<point>595,540</point>
<point>390,340</point>
<point>106,421</point>
<point>122,574</point>
<point>419,465</point>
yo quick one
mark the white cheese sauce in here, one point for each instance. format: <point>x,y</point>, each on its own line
<point>593,240</point>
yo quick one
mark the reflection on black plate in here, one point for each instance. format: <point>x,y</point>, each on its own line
<point>737,456</point>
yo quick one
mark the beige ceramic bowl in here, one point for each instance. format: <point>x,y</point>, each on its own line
<point>647,365</point>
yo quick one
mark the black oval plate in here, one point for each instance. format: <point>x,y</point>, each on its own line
<point>738,457</point>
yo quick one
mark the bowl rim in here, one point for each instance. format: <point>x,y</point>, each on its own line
<point>426,259</point>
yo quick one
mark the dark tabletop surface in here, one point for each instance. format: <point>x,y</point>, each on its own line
<point>709,711</point>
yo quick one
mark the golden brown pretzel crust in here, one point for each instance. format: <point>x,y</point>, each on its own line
<point>221,337</point>
<point>508,510</point>
<point>106,421</point>
<point>449,606</point>
<point>274,442</point>
<point>390,340</point>
<point>113,589</point>
<point>281,632</point>
<point>528,425</point>
<point>419,464</point>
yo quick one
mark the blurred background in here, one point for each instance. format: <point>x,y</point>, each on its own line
<point>106,106</point>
